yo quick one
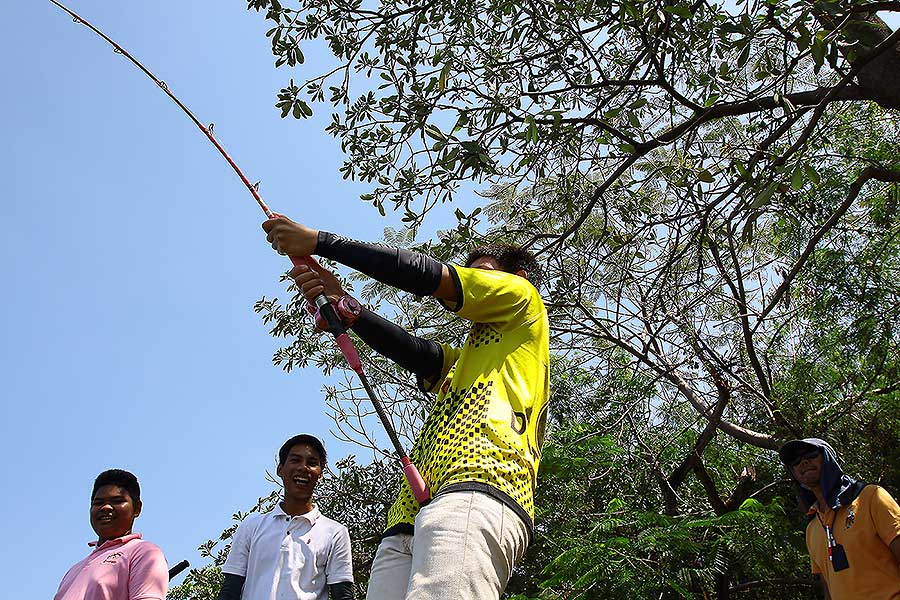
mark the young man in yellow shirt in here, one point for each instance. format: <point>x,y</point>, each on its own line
<point>853,537</point>
<point>480,446</point>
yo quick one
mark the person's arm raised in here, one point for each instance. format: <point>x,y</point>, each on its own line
<point>418,355</point>
<point>403,269</point>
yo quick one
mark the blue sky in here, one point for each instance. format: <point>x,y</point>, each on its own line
<point>131,259</point>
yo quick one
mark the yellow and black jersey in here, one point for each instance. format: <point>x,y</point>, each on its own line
<point>486,426</point>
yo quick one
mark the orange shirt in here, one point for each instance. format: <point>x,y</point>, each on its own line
<point>865,528</point>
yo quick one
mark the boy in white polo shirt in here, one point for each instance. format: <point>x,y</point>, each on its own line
<point>293,552</point>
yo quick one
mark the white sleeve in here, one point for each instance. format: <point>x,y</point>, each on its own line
<point>339,567</point>
<point>239,554</point>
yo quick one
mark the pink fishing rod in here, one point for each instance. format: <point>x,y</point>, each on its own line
<point>334,324</point>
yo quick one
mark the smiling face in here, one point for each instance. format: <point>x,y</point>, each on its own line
<point>300,472</point>
<point>809,468</point>
<point>113,512</point>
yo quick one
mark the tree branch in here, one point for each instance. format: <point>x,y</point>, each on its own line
<point>777,581</point>
<point>711,492</point>
<point>705,437</point>
<point>877,173</point>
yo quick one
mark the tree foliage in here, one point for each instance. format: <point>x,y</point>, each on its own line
<point>714,192</point>
<point>451,90</point>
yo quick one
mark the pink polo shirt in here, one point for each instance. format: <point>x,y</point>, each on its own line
<point>126,568</point>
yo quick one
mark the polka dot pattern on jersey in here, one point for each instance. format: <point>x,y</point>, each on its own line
<point>482,335</point>
<point>457,443</point>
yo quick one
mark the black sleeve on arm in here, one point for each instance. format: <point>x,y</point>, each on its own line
<point>341,591</point>
<point>409,271</point>
<point>231,587</point>
<point>417,355</point>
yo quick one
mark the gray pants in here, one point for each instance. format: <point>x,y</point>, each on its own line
<point>465,548</point>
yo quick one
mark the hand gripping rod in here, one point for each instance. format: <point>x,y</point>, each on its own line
<point>419,488</point>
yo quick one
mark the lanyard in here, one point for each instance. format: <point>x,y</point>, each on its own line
<point>829,534</point>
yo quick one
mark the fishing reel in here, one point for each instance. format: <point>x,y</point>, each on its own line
<point>347,308</point>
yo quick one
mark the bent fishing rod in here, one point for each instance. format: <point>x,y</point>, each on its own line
<point>334,324</point>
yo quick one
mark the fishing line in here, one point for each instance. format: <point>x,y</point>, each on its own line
<point>335,326</point>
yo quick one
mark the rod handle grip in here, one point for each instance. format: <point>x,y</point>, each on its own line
<point>416,483</point>
<point>334,324</point>
<point>174,571</point>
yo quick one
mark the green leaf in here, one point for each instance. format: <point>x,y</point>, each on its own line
<point>752,505</point>
<point>633,119</point>
<point>811,174</point>
<point>445,74</point>
<point>747,232</point>
<point>818,50</point>
<point>764,196</point>
<point>435,133</point>
<point>798,178</point>
<point>638,103</point>
<point>681,10</point>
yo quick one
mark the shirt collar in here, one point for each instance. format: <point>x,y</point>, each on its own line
<point>312,516</point>
<point>115,541</point>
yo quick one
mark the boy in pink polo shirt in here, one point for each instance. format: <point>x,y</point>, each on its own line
<point>122,566</point>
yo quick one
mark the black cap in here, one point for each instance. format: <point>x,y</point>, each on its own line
<point>303,438</point>
<point>794,448</point>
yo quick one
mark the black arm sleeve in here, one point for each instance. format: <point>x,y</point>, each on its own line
<point>409,271</point>
<point>417,355</point>
<point>341,591</point>
<point>231,587</point>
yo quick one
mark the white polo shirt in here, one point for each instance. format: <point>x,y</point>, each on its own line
<point>289,558</point>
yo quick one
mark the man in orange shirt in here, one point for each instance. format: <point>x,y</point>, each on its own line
<point>853,537</point>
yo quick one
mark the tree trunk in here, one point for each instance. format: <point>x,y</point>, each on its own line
<point>723,587</point>
<point>878,79</point>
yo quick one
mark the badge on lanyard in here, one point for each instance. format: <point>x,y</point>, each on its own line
<point>836,553</point>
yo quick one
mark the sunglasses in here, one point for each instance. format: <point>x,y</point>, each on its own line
<point>808,455</point>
